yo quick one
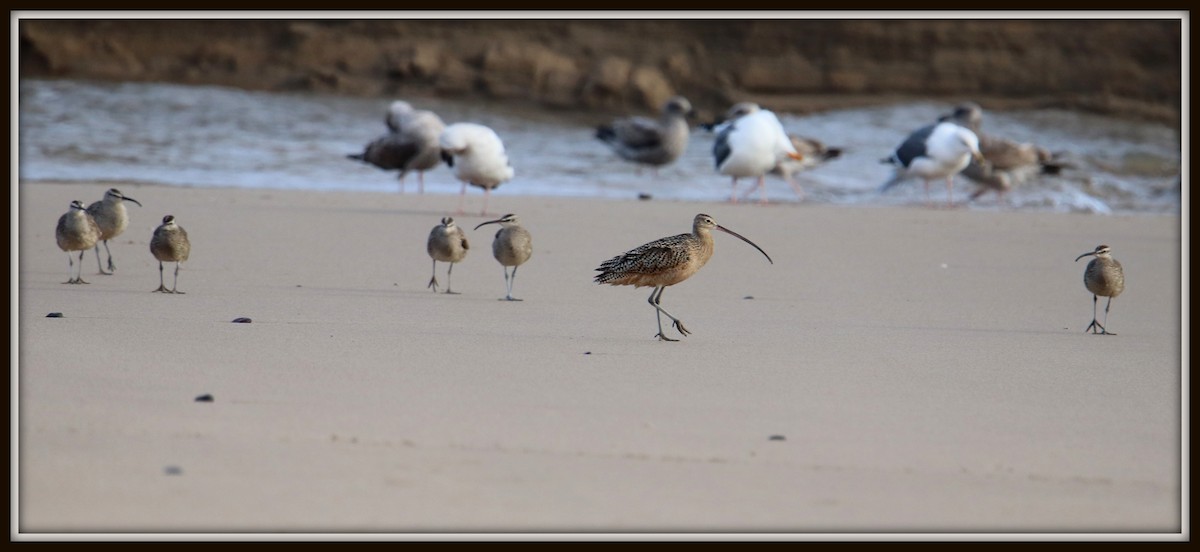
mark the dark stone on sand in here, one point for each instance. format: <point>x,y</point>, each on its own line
<point>777,438</point>
<point>204,398</point>
<point>241,320</point>
<point>54,315</point>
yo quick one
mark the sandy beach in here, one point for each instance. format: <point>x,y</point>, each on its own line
<point>895,371</point>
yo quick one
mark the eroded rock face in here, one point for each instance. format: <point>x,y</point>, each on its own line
<point>1130,68</point>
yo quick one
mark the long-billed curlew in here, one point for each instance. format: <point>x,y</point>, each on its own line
<point>512,246</point>
<point>411,143</point>
<point>170,244</point>
<point>1103,277</point>
<point>666,262</point>
<point>76,231</point>
<point>1006,163</point>
<point>447,243</point>
<point>112,218</point>
<point>750,143</point>
<point>477,156</point>
<point>940,150</point>
<point>651,142</point>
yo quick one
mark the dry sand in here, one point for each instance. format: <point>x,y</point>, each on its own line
<point>895,370</point>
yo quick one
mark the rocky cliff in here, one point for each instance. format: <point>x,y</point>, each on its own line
<point>1129,68</point>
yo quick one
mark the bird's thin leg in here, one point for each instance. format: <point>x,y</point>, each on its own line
<point>796,186</point>
<point>433,278</point>
<point>448,281</point>
<point>161,286</point>
<point>927,200</point>
<point>461,196</point>
<point>421,182</point>
<point>733,191</point>
<point>508,283</point>
<point>71,268</point>
<point>99,265</point>
<point>655,299</point>
<point>1106,305</point>
<point>79,280</point>
<point>1095,324</point>
<point>949,191</point>
<point>112,267</point>
<point>402,177</point>
<point>487,193</point>
<point>762,189</point>
<point>175,284</point>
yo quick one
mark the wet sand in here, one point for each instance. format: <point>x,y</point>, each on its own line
<point>896,370</point>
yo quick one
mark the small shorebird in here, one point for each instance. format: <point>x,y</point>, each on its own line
<point>1103,277</point>
<point>477,156</point>
<point>1006,163</point>
<point>76,231</point>
<point>512,246</point>
<point>940,150</point>
<point>666,262</point>
<point>652,142</point>
<point>170,244</point>
<point>112,218</point>
<point>750,143</point>
<point>411,143</point>
<point>447,243</point>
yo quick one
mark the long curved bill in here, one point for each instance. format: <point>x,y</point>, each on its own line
<point>127,198</point>
<point>743,238</point>
<point>1088,254</point>
<point>497,221</point>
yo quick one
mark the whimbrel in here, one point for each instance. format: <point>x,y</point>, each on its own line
<point>170,244</point>
<point>477,156</point>
<point>1006,163</point>
<point>1103,277</point>
<point>940,150</point>
<point>651,142</point>
<point>666,262</point>
<point>751,143</point>
<point>76,231</point>
<point>411,143</point>
<point>447,243</point>
<point>512,246</point>
<point>112,218</point>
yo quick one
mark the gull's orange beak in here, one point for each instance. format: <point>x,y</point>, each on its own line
<point>796,156</point>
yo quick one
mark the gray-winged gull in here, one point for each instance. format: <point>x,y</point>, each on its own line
<point>750,143</point>
<point>646,141</point>
<point>940,150</point>
<point>411,143</point>
<point>1006,163</point>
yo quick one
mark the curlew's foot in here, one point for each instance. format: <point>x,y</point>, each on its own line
<point>679,326</point>
<point>1096,326</point>
<point>161,289</point>
<point>75,281</point>
<point>662,337</point>
<point>111,267</point>
<point>448,292</point>
<point>105,273</point>
<point>433,284</point>
<point>511,298</point>
<point>177,292</point>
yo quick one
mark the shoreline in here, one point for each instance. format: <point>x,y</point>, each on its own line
<point>925,369</point>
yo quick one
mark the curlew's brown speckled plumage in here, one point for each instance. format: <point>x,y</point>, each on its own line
<point>666,262</point>
<point>76,231</point>
<point>512,246</point>
<point>447,243</point>
<point>170,244</point>
<point>1104,277</point>
<point>112,218</point>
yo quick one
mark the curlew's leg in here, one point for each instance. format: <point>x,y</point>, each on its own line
<point>79,280</point>
<point>1095,325</point>
<point>433,278</point>
<point>71,268</point>
<point>161,286</point>
<point>508,283</point>
<point>112,267</point>
<point>100,266</point>
<point>1103,330</point>
<point>655,298</point>
<point>175,284</point>
<point>448,272</point>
